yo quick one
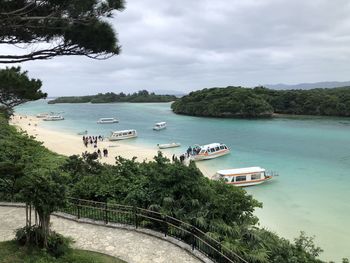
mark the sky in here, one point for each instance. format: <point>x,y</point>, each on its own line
<point>188,45</point>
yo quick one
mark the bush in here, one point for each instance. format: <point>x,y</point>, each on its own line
<point>57,246</point>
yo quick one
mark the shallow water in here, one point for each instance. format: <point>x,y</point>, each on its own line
<point>311,154</point>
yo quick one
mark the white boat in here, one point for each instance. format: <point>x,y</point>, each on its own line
<point>159,126</point>
<point>123,135</point>
<point>54,118</point>
<point>168,145</point>
<point>209,151</point>
<point>42,115</point>
<point>107,120</point>
<point>245,176</point>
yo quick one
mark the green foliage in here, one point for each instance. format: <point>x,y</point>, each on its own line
<point>10,252</point>
<point>17,88</point>
<point>57,245</point>
<point>109,97</point>
<point>78,27</point>
<point>262,102</point>
<point>21,156</point>
<point>222,211</point>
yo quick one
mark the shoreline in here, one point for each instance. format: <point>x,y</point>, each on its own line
<point>67,143</point>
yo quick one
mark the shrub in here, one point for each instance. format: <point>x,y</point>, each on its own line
<point>57,246</point>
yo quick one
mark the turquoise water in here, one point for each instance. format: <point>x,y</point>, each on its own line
<point>311,154</point>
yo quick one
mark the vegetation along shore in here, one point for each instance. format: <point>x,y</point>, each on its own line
<point>260,102</point>
<point>110,97</point>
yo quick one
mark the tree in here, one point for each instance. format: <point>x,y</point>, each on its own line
<point>76,27</point>
<point>46,192</point>
<point>17,88</point>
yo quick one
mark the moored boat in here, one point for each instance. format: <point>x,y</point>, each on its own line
<point>159,126</point>
<point>209,151</point>
<point>53,118</point>
<point>42,115</point>
<point>107,120</point>
<point>168,145</point>
<point>245,176</point>
<point>122,135</point>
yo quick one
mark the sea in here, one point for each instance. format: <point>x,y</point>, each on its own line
<point>310,154</point>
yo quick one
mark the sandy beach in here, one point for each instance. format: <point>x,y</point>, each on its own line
<point>66,143</point>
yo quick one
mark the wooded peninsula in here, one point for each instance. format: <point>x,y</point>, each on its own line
<point>110,97</point>
<point>261,102</point>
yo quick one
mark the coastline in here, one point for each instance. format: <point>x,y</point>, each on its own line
<point>67,143</point>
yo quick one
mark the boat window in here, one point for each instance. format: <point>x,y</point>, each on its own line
<point>221,147</point>
<point>225,147</point>
<point>241,178</point>
<point>212,150</point>
<point>233,179</point>
<point>125,133</point>
<point>217,148</point>
<point>130,132</point>
<point>255,176</point>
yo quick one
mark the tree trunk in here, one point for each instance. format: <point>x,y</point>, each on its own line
<point>44,225</point>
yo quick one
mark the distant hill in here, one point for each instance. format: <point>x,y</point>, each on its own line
<point>110,97</point>
<point>326,84</point>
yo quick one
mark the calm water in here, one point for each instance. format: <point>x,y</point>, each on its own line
<point>312,156</point>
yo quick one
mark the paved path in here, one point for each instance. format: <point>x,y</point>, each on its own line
<point>130,246</point>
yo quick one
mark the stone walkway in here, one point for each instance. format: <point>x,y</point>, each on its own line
<point>131,246</point>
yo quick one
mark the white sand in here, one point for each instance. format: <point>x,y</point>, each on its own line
<point>68,144</point>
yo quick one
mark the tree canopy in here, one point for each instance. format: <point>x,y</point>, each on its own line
<point>17,88</point>
<point>263,102</point>
<point>110,97</point>
<point>50,28</point>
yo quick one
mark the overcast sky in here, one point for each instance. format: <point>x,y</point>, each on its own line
<point>187,45</point>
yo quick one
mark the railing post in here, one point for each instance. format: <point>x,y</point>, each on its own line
<point>193,237</point>
<point>165,225</point>
<point>78,206</point>
<point>135,216</point>
<point>106,213</point>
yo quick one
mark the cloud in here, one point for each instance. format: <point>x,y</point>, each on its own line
<point>185,45</point>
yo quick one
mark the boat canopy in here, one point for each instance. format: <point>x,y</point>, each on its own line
<point>160,123</point>
<point>240,171</point>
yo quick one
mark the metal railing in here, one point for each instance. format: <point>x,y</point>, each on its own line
<point>143,218</point>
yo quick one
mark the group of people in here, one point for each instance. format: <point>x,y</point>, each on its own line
<point>193,151</point>
<point>97,154</point>
<point>92,140</point>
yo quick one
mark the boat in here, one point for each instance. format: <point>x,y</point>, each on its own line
<point>168,145</point>
<point>245,176</point>
<point>209,151</point>
<point>123,135</point>
<point>107,120</point>
<point>42,115</point>
<point>54,118</point>
<point>159,126</point>
<point>83,132</point>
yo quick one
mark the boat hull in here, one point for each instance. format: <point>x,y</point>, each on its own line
<point>251,183</point>
<point>61,119</point>
<point>106,122</point>
<point>210,156</point>
<point>122,138</point>
<point>166,146</point>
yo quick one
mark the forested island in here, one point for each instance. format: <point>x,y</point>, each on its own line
<point>110,97</point>
<point>262,102</point>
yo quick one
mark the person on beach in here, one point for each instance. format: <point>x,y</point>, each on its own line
<point>173,158</point>
<point>99,153</point>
